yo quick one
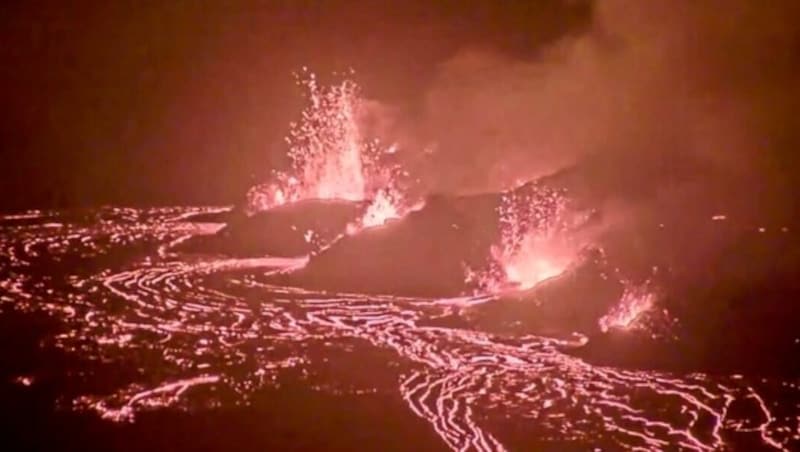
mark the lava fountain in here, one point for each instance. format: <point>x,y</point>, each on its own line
<point>636,302</point>
<point>534,244</point>
<point>331,158</point>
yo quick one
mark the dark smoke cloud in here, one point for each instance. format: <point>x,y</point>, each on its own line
<point>661,99</point>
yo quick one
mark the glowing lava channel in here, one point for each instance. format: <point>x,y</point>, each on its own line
<point>332,159</point>
<point>204,332</point>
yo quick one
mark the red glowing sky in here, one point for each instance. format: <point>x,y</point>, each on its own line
<point>186,102</point>
<point>129,102</point>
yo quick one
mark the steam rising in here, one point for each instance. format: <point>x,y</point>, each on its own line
<point>654,96</point>
<point>659,112</point>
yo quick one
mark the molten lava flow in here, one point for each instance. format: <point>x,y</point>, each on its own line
<point>533,243</point>
<point>207,333</point>
<point>331,159</point>
<point>636,301</point>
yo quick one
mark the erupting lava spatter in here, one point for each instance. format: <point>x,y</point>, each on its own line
<point>332,159</point>
<point>534,245</point>
<point>635,302</point>
<point>382,209</point>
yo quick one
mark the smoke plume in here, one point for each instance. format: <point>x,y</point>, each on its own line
<point>655,99</point>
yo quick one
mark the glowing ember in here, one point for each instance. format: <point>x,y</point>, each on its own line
<point>331,159</point>
<point>24,380</point>
<point>635,302</point>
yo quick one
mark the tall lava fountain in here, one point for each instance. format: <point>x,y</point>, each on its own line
<point>331,158</point>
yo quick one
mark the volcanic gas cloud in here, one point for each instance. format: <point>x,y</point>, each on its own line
<point>450,244</point>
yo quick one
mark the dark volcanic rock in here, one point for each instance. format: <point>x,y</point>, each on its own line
<point>282,231</point>
<point>427,252</point>
<point>571,302</point>
<point>422,254</point>
<point>224,216</point>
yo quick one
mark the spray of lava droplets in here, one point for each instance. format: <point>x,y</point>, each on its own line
<point>533,242</point>
<point>628,314</point>
<point>331,159</point>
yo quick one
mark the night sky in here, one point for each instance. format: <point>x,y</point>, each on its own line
<point>141,103</point>
<point>188,101</point>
